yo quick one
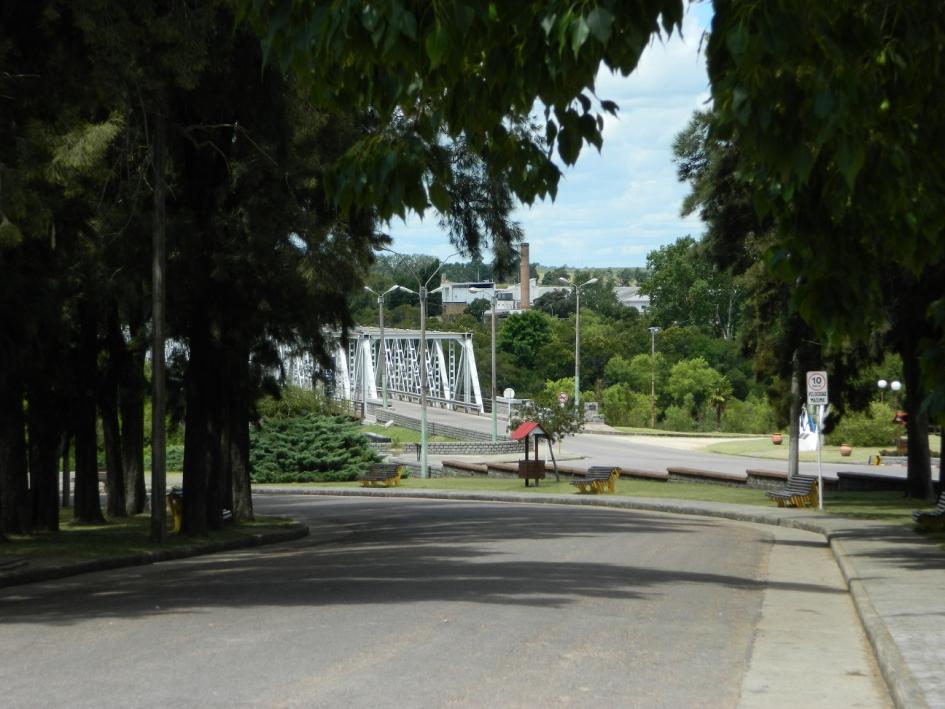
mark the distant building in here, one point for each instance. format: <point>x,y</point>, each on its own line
<point>457,296</point>
<point>631,297</point>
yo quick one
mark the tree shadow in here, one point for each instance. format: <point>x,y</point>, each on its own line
<point>405,553</point>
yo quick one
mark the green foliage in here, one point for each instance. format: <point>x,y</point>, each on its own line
<point>692,380</point>
<point>308,449</point>
<point>293,402</point>
<point>625,407</point>
<point>873,427</point>
<point>678,418</point>
<point>523,334</point>
<point>754,415</point>
<point>392,59</point>
<point>479,307</point>
<point>835,146</point>
<point>686,288</point>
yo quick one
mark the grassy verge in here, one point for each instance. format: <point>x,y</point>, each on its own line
<point>682,434</point>
<point>889,507</point>
<point>764,448</point>
<point>121,537</point>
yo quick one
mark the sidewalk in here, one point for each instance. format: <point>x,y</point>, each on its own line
<point>895,577</point>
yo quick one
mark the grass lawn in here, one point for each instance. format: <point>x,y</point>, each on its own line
<point>398,436</point>
<point>887,506</point>
<point>764,448</point>
<point>122,537</point>
<point>683,434</point>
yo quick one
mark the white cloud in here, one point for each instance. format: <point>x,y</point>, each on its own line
<point>614,208</point>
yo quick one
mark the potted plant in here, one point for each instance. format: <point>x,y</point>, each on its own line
<point>846,449</point>
<point>776,439</point>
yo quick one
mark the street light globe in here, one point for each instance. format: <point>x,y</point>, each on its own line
<point>895,385</point>
<point>882,384</point>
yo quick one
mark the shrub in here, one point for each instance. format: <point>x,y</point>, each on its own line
<point>625,407</point>
<point>749,416</point>
<point>308,449</point>
<point>677,418</point>
<point>866,428</point>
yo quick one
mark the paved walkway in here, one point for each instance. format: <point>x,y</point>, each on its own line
<point>895,577</point>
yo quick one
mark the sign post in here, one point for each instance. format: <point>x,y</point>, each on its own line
<point>562,399</point>
<point>818,395</point>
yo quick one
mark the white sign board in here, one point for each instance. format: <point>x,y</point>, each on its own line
<point>509,393</point>
<point>817,394</point>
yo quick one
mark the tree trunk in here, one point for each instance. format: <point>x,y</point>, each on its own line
<point>14,496</point>
<point>45,441</point>
<point>158,373</point>
<point>919,471</point>
<point>794,436</point>
<point>66,468</point>
<point>108,405</point>
<point>87,508</point>
<point>554,463</point>
<point>237,425</point>
<point>197,433</point>
<point>131,403</point>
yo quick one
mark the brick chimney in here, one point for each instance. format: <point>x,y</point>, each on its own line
<point>523,276</point>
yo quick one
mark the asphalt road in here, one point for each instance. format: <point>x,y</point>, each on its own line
<point>640,452</point>
<point>409,603</point>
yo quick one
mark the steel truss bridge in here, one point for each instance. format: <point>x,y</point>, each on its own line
<point>452,377</point>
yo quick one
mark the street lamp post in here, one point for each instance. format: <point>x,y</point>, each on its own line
<point>653,331</point>
<point>495,427</point>
<point>577,338</point>
<point>422,293</point>
<point>382,350</point>
<point>894,386</point>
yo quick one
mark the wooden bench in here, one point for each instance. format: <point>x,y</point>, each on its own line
<point>382,475</point>
<point>800,491</point>
<point>598,479</point>
<point>932,520</point>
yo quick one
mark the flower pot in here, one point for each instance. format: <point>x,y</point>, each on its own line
<point>776,439</point>
<point>845,450</point>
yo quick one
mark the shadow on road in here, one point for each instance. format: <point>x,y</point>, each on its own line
<point>408,552</point>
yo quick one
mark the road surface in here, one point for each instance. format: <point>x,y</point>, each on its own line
<point>409,603</point>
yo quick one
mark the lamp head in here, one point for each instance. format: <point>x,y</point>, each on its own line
<point>882,384</point>
<point>895,385</point>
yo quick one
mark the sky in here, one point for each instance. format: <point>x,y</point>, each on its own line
<point>614,208</point>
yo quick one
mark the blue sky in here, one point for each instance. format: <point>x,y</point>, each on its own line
<point>614,208</point>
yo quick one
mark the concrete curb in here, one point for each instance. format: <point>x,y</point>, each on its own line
<point>903,688</point>
<point>23,576</point>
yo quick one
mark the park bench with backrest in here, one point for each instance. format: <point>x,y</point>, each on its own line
<point>598,479</point>
<point>382,475</point>
<point>932,520</point>
<point>800,491</point>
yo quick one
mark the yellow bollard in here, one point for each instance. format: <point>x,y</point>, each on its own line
<point>175,503</point>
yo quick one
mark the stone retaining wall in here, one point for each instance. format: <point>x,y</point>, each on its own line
<point>437,429</point>
<point>466,448</point>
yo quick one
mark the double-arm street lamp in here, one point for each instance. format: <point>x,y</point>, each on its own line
<point>577,337</point>
<point>422,294</point>
<point>495,429</point>
<point>382,350</point>
<point>653,331</point>
<point>894,386</point>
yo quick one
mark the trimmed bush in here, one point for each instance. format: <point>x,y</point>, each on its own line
<point>625,407</point>
<point>308,449</point>
<point>866,428</point>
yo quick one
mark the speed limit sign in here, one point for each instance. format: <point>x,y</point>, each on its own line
<point>817,388</point>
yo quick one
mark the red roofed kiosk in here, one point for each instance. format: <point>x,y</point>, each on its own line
<point>530,469</point>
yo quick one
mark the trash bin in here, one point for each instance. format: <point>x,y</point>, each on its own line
<point>175,503</point>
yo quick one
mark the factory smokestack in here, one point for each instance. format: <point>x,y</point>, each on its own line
<point>523,276</point>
